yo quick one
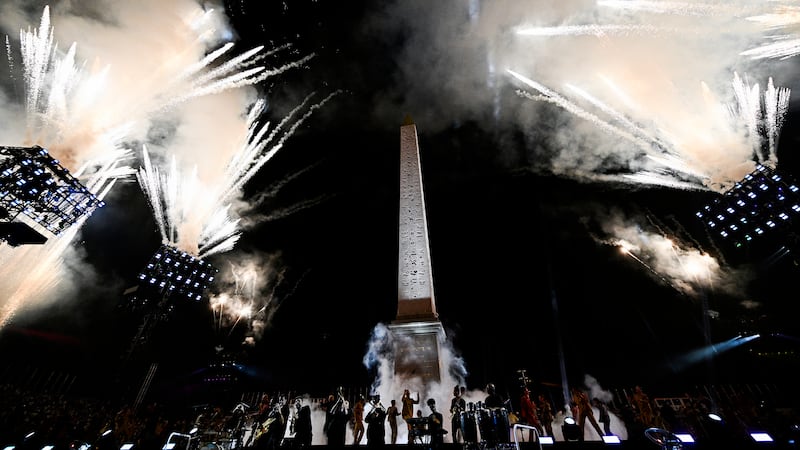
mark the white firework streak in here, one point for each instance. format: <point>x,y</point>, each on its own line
<point>151,183</point>
<point>591,30</point>
<point>669,158</point>
<point>675,8</point>
<point>619,117</point>
<point>776,105</point>
<point>258,150</point>
<point>196,218</point>
<point>229,308</point>
<point>657,179</point>
<point>762,121</point>
<point>58,95</point>
<point>234,73</point>
<point>232,307</point>
<point>73,114</point>
<point>221,235</point>
<point>62,99</point>
<point>179,204</point>
<point>553,97</point>
<point>33,273</point>
<point>748,108</point>
<point>783,46</point>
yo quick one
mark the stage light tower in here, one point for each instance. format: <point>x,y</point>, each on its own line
<point>174,273</point>
<point>170,276</point>
<point>763,203</point>
<point>35,188</point>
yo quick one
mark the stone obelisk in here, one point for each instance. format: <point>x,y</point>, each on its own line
<point>417,331</point>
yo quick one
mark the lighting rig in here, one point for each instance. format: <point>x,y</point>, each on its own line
<point>34,186</point>
<point>171,275</point>
<point>175,273</point>
<point>761,204</point>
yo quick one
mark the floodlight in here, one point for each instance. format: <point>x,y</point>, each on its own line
<point>665,438</point>
<point>715,417</point>
<point>172,272</point>
<point>761,201</point>
<point>569,421</point>
<point>760,436</point>
<point>48,447</point>
<point>10,447</point>
<point>126,446</point>
<point>30,435</point>
<point>35,185</point>
<point>546,440</point>
<point>686,438</point>
<point>106,433</point>
<point>193,430</point>
<point>571,431</point>
<point>611,439</point>
<point>168,446</point>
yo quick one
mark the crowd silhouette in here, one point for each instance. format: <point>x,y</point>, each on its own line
<point>70,422</point>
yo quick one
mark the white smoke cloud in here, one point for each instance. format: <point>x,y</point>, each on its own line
<point>380,358</point>
<point>245,294</point>
<point>681,265</point>
<point>668,70</point>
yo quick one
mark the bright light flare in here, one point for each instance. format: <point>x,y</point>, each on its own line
<point>625,247</point>
<point>697,265</point>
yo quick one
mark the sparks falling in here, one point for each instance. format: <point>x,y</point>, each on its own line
<point>230,309</point>
<point>196,216</point>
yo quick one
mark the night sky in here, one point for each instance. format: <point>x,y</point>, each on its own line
<point>524,273</point>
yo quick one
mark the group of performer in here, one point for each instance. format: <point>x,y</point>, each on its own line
<point>490,420</point>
